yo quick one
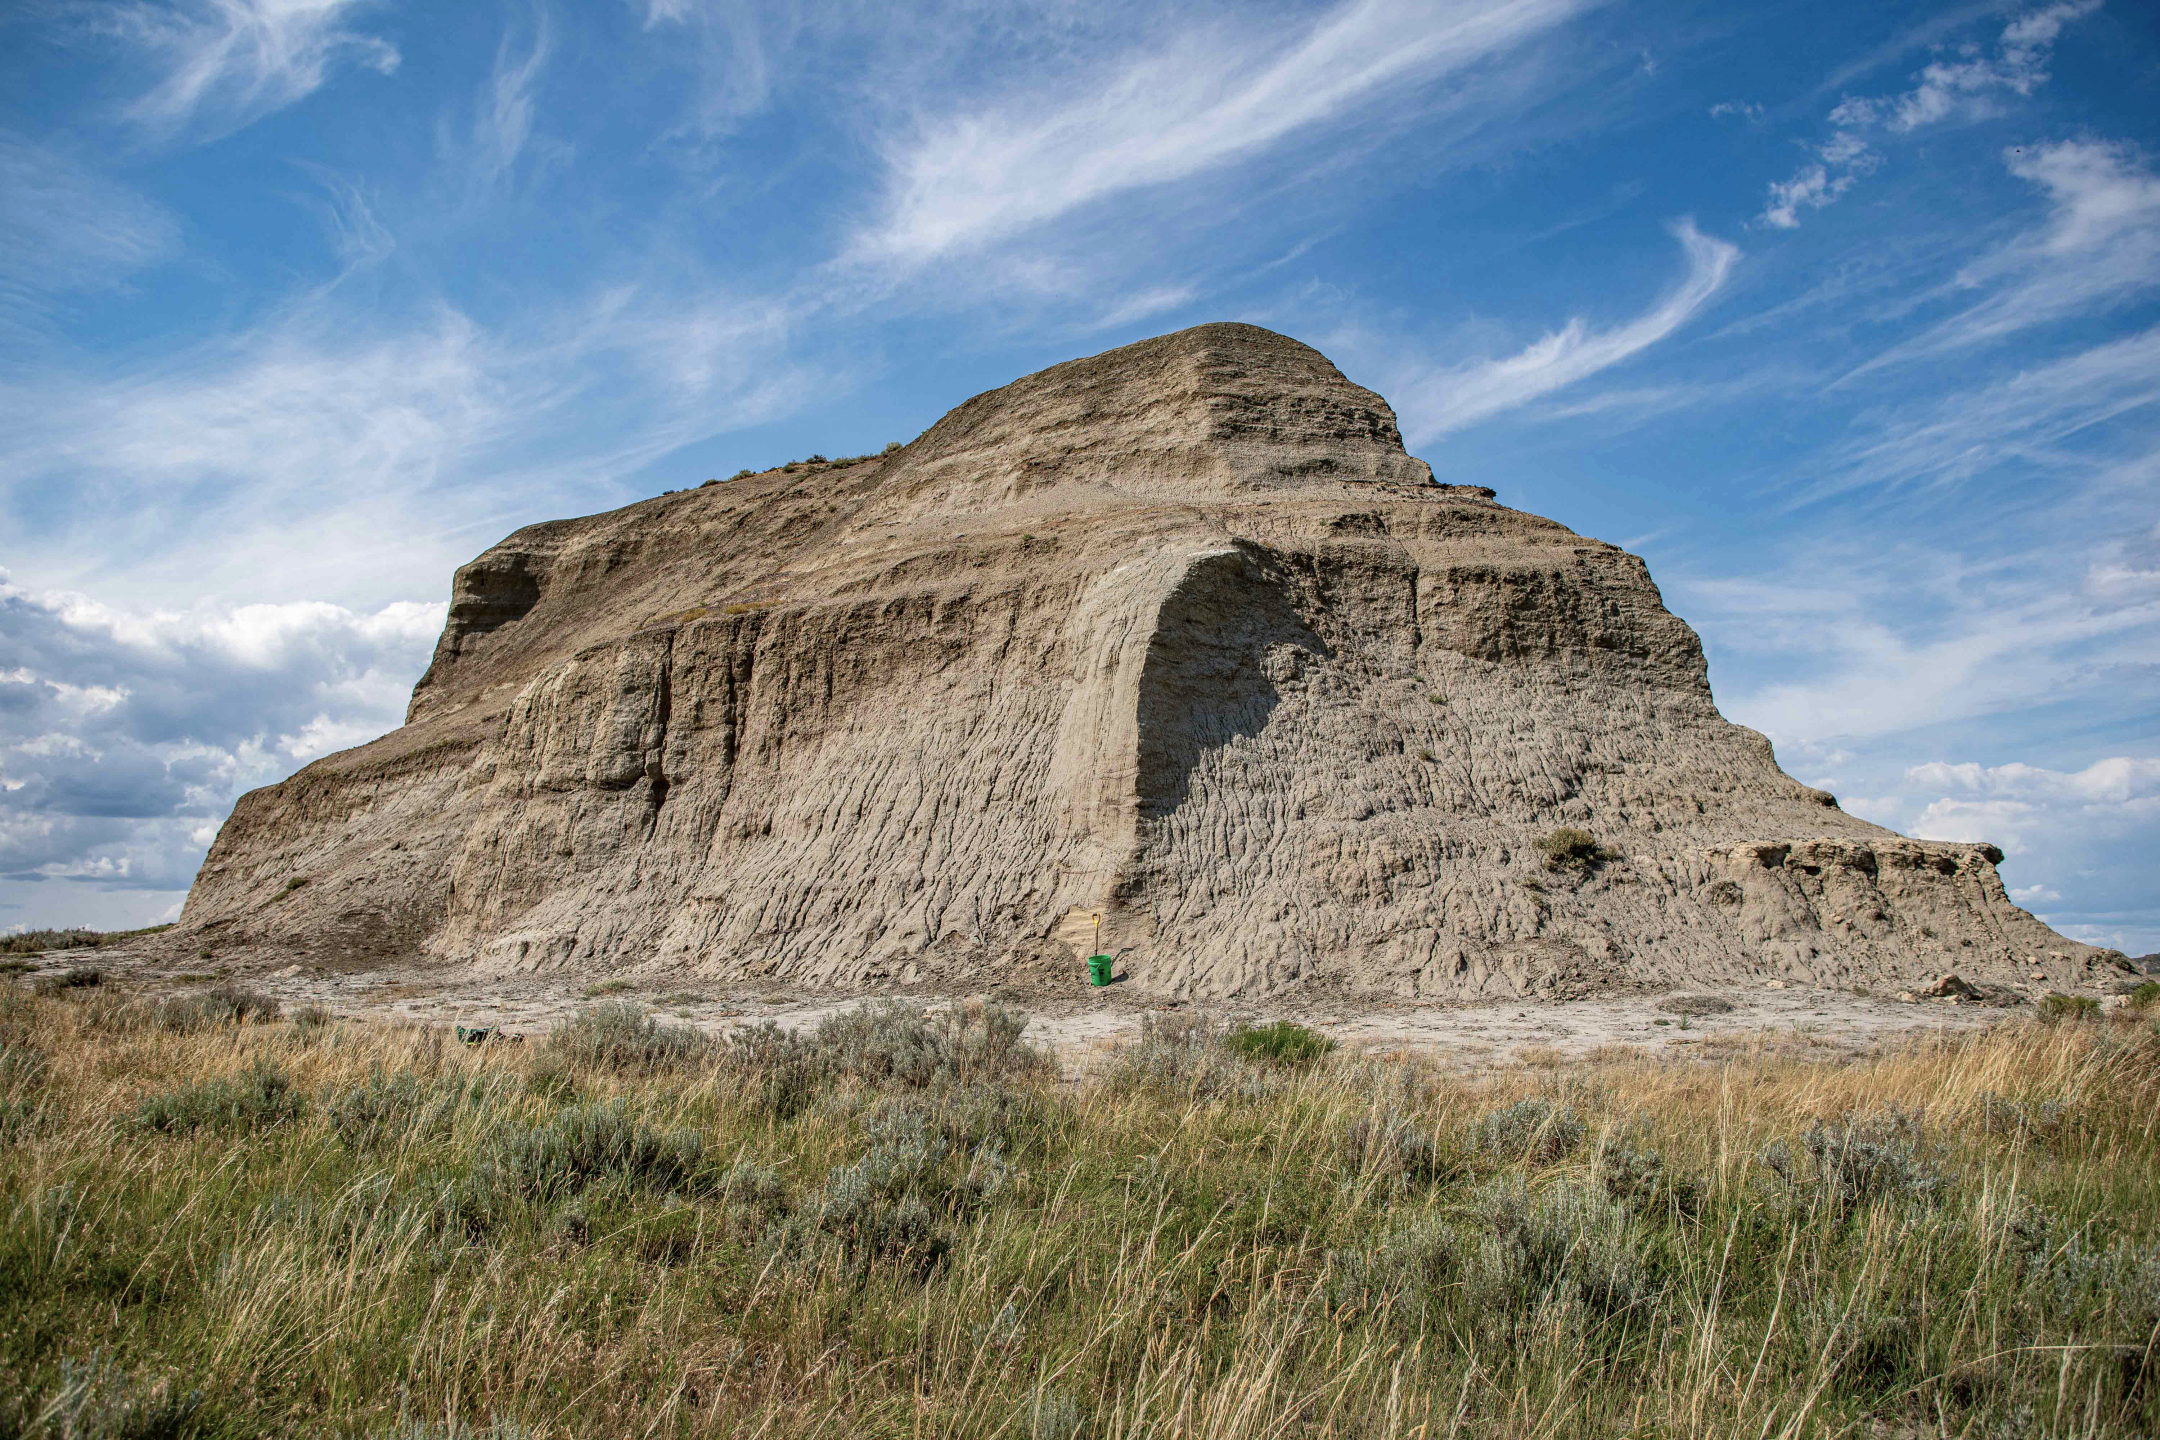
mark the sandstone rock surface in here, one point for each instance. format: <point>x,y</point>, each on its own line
<point>1178,635</point>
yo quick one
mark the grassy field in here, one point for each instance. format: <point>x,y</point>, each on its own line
<point>222,1223</point>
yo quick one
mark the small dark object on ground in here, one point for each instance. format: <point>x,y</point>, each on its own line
<point>475,1034</point>
<point>1695,1005</point>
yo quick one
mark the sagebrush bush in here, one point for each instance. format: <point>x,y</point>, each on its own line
<point>1186,1055</point>
<point>260,1098</point>
<point>577,1147</point>
<point>98,1400</point>
<point>62,982</point>
<point>619,1035</point>
<point>1508,1258</point>
<point>898,1042</point>
<point>1405,1275</point>
<point>1533,1130</point>
<point>1634,1172</point>
<point>1384,1142</point>
<point>782,1072</point>
<point>387,1110</point>
<point>2002,1115</point>
<point>885,1207</point>
<point>1857,1160</point>
<point>236,1005</point>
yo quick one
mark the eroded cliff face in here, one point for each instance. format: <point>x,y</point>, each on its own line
<point>1177,636</point>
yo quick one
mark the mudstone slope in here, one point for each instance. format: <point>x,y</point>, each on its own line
<point>1177,636</point>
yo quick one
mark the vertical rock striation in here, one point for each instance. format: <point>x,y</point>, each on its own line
<point>1177,635</point>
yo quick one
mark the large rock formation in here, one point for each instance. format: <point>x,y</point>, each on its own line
<point>1177,635</point>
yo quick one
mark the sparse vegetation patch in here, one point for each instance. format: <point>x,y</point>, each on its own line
<point>1568,848</point>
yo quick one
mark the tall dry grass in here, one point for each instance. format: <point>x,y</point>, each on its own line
<point>909,1227</point>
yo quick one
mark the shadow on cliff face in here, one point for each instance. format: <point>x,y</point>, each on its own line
<point>1226,641</point>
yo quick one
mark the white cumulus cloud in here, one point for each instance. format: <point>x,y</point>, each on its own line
<point>2020,806</point>
<point>125,735</point>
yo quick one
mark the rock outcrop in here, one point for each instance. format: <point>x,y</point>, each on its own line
<point>1177,635</point>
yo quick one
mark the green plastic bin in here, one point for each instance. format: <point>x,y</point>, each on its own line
<point>1099,969</point>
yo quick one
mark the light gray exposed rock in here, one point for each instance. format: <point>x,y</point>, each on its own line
<point>1177,635</point>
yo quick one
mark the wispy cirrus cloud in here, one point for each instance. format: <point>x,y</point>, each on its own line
<point>1191,102</point>
<point>1969,85</point>
<point>1971,639</point>
<point>64,227</point>
<point>2049,420</point>
<point>403,436</point>
<point>1435,402</point>
<point>225,63</point>
<point>2099,246</point>
<point>503,124</point>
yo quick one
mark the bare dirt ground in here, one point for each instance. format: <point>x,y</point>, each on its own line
<point>1083,1024</point>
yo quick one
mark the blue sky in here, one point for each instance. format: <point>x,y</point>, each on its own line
<point>1846,316</point>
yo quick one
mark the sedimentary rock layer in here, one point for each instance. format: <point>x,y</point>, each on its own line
<point>1177,636</point>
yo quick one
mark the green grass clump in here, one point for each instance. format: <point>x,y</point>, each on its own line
<point>2145,996</point>
<point>2068,1007</point>
<point>908,1223</point>
<point>60,982</point>
<point>1282,1042</point>
<point>97,1400</point>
